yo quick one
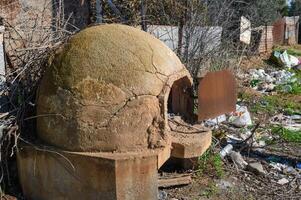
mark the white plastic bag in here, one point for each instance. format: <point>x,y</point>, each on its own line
<point>289,60</point>
<point>216,121</point>
<point>241,117</point>
<point>294,61</point>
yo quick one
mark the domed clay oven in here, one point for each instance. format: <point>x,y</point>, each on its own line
<point>103,103</point>
<point>108,87</point>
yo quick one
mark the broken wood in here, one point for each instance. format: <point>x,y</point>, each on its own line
<point>174,181</point>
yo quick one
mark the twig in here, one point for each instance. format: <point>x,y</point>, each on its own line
<point>245,142</point>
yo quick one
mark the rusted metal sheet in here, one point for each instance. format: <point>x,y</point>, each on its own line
<point>216,94</point>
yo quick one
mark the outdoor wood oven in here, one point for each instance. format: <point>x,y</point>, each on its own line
<point>104,129</point>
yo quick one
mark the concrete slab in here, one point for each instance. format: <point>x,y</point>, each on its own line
<point>47,174</point>
<point>190,145</point>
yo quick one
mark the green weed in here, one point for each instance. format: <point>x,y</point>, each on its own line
<point>211,163</point>
<point>290,50</point>
<point>244,96</point>
<point>287,135</point>
<point>294,52</point>
<point>210,191</point>
<point>291,87</point>
<point>274,104</point>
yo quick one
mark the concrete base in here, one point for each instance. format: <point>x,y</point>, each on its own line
<point>47,174</point>
<point>192,145</point>
<point>187,148</point>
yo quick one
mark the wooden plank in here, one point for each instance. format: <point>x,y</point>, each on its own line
<point>174,181</point>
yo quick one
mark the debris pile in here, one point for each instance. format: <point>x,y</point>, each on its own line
<point>248,145</point>
<point>269,81</point>
<point>240,118</point>
<point>284,59</point>
<point>292,122</point>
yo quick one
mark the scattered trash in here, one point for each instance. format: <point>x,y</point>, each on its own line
<point>278,166</point>
<point>283,76</point>
<point>245,134</point>
<point>289,170</point>
<point>266,87</point>
<point>224,185</point>
<point>226,150</point>
<point>292,123</point>
<point>162,195</point>
<point>283,181</point>
<point>259,75</point>
<point>267,81</point>
<point>241,118</point>
<point>216,121</point>
<point>253,150</point>
<point>257,168</point>
<point>297,68</point>
<point>285,59</point>
<point>259,144</point>
<point>238,160</point>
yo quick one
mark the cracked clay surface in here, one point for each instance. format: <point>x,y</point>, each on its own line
<point>103,86</point>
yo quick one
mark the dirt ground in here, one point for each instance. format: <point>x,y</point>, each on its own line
<point>215,178</point>
<point>221,179</point>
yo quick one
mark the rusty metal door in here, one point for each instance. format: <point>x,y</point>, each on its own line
<point>216,94</point>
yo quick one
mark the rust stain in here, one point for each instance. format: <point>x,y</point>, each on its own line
<point>216,94</point>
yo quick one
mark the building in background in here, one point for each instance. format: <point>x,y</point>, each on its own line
<point>286,31</point>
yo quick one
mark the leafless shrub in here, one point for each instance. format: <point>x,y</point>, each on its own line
<point>205,29</point>
<point>30,40</point>
<point>28,43</point>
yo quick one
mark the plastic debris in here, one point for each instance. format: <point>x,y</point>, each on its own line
<point>289,170</point>
<point>238,160</point>
<point>256,167</point>
<point>162,195</point>
<point>278,166</point>
<point>267,82</point>
<point>285,59</point>
<point>292,122</point>
<point>241,118</point>
<point>283,181</point>
<point>226,150</point>
<point>216,121</point>
<point>224,185</point>
<point>283,76</point>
